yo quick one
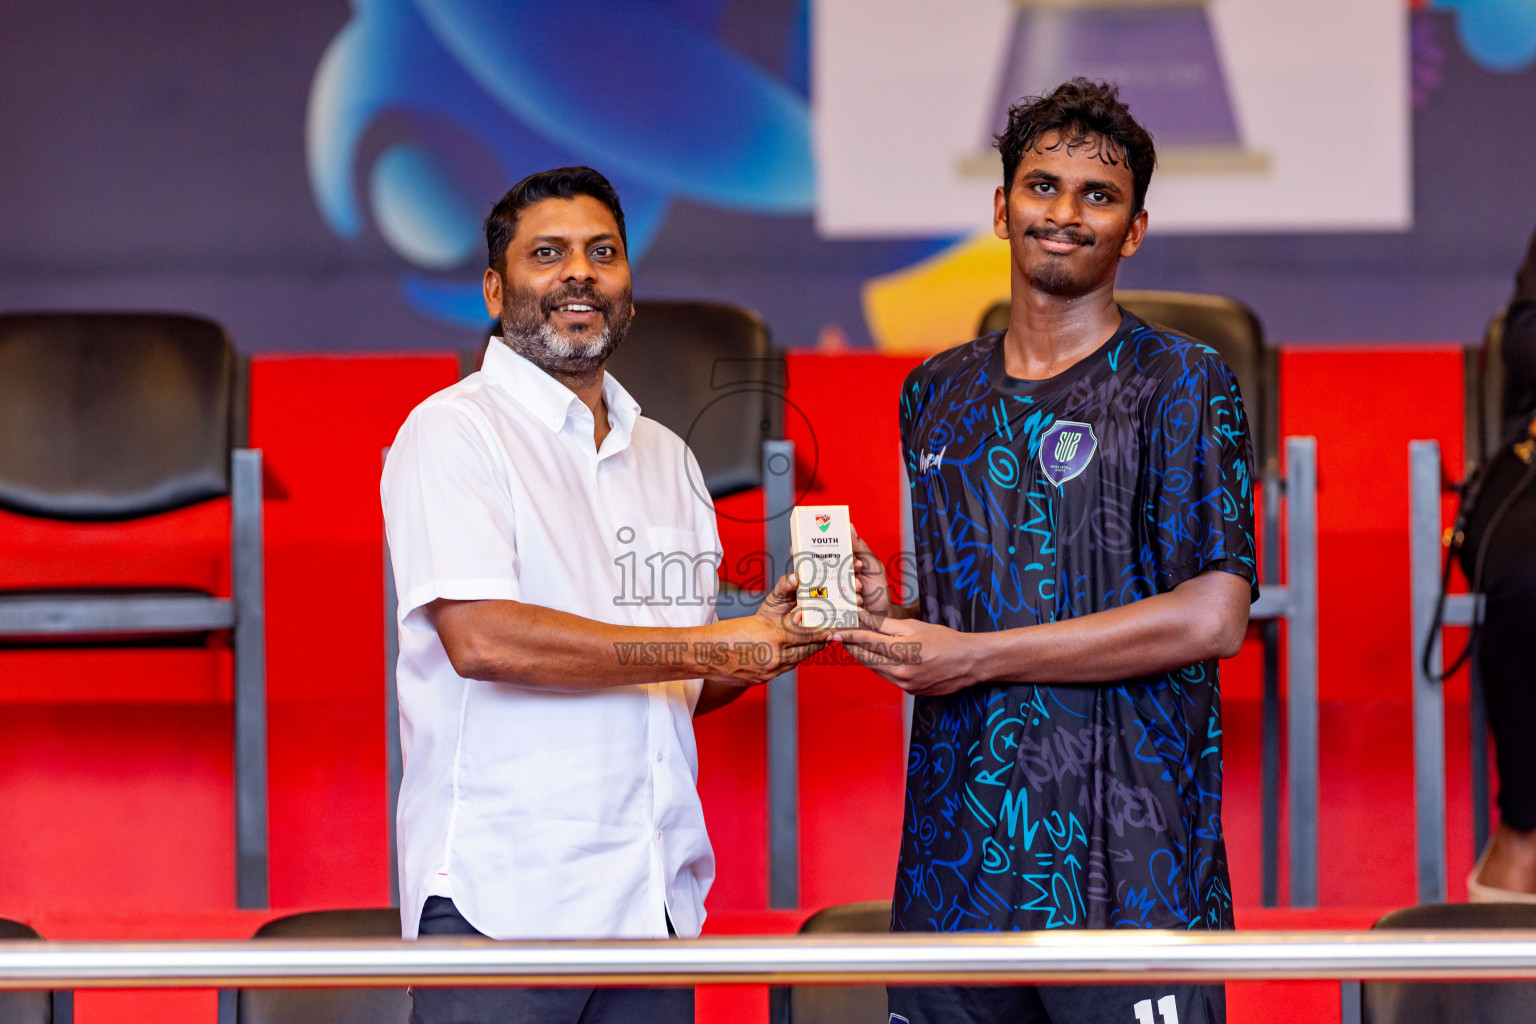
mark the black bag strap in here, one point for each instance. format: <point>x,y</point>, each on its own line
<point>1523,448</point>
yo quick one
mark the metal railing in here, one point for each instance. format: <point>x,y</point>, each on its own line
<point>977,958</point>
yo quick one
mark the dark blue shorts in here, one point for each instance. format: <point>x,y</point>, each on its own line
<point>1060,1004</point>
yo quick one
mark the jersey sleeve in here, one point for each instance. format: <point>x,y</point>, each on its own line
<point>1199,503</point>
<point>447,514</point>
<point>910,403</point>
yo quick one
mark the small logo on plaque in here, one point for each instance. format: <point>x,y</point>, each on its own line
<point>1066,448</point>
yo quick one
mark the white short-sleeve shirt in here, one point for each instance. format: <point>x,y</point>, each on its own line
<point>547,815</point>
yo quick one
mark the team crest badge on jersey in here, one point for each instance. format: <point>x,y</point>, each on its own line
<point>1066,448</point>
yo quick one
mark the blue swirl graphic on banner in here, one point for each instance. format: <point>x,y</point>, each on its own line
<point>639,91</point>
<point>1499,34</point>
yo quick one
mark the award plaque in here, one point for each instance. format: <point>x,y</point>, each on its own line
<point>821,544</point>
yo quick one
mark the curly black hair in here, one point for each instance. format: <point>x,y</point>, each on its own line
<point>1080,113</point>
<point>559,183</point>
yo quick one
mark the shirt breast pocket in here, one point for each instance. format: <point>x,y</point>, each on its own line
<point>677,576</point>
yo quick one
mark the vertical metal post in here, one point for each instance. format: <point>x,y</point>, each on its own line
<point>1350,1007</point>
<point>1478,712</point>
<point>1302,718</point>
<point>228,1001</point>
<point>393,762</point>
<point>250,680</point>
<point>1274,487</point>
<point>1428,699</point>
<point>783,703</point>
<point>1269,707</point>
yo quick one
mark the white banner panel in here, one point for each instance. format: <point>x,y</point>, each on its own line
<point>1268,116</point>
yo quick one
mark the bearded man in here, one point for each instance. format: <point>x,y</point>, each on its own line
<point>549,784</point>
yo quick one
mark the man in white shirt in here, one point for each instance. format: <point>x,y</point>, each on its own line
<point>549,785</point>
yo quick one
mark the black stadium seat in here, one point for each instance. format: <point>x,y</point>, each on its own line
<point>1452,1002</point>
<point>1224,324</point>
<point>326,1005</point>
<point>18,1007</point>
<point>842,1004</point>
<point>1232,329</point>
<point>710,373</point>
<point>113,416</point>
<point>123,415</point>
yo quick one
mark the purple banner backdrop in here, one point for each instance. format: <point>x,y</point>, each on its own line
<point>165,154</point>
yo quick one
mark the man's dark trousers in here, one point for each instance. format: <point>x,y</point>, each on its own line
<point>537,1005</point>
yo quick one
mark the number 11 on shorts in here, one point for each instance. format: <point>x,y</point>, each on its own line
<point>1166,1008</point>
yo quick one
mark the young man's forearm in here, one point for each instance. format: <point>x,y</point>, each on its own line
<point>1153,635</point>
<point>1201,619</point>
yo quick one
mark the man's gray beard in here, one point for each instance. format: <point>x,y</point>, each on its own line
<point>540,342</point>
<point>592,348</point>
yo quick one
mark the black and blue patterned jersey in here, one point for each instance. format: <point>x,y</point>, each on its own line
<point>1083,805</point>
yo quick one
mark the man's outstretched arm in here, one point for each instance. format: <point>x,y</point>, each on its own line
<point>1200,619</point>
<point>543,649</point>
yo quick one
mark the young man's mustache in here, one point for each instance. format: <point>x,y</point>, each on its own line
<point>1061,235</point>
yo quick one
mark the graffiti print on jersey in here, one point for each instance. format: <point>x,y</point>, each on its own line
<point>1085,805</point>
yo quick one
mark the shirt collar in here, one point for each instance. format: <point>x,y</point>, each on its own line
<point>545,397</point>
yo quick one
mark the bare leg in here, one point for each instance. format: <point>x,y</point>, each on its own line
<point>1510,861</point>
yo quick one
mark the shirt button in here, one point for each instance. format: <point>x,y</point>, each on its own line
<point>660,757</point>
